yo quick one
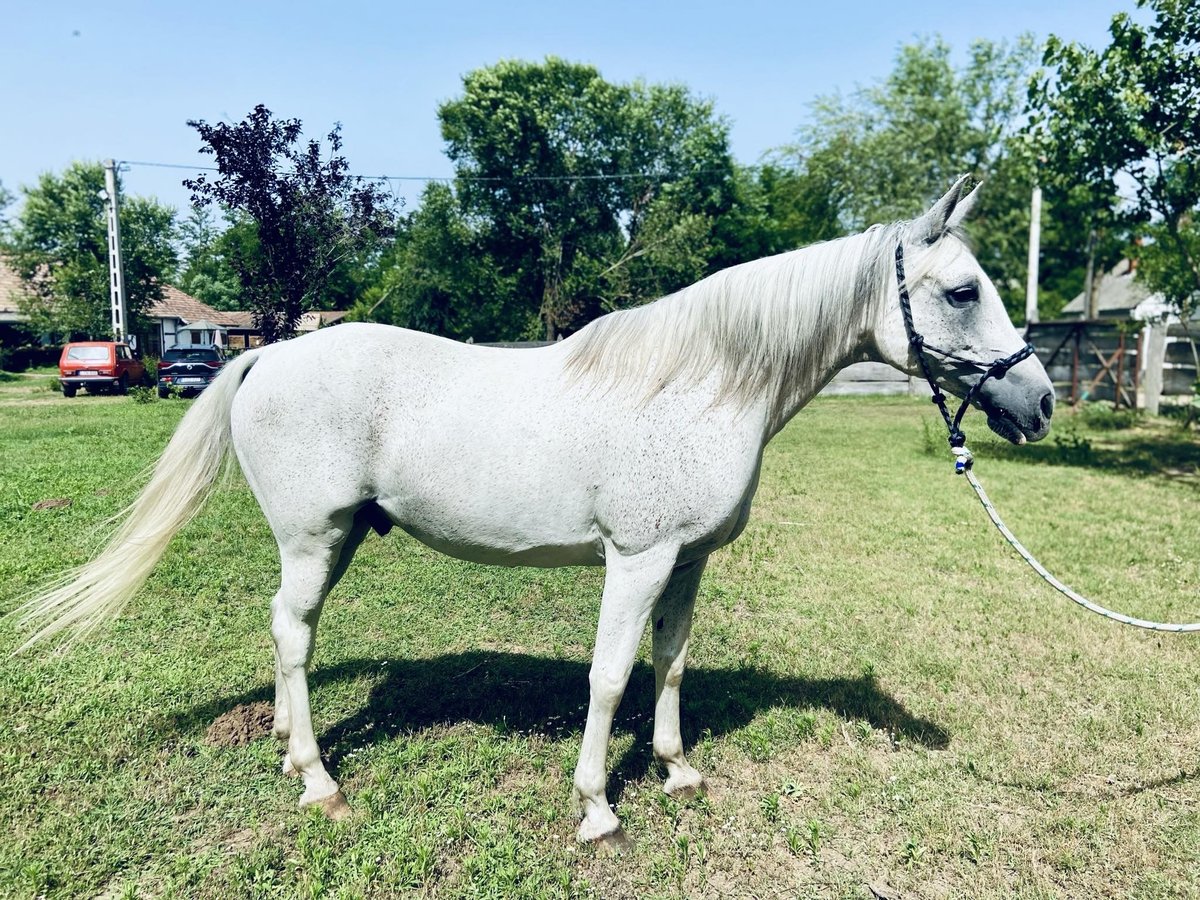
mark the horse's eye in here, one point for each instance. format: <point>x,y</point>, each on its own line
<point>964,295</point>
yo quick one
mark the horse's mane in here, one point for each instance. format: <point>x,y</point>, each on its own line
<point>762,324</point>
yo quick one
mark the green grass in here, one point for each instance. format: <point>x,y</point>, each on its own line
<point>878,692</point>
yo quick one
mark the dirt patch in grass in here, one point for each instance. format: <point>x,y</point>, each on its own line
<point>52,503</point>
<point>241,725</point>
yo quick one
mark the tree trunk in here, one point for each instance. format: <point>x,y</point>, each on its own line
<point>552,260</point>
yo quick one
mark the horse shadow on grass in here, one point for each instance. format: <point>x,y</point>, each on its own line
<point>525,694</point>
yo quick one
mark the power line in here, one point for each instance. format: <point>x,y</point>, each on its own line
<point>614,176</point>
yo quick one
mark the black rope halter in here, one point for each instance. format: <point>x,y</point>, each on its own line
<point>996,369</point>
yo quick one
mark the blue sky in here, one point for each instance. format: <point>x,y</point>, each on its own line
<point>119,79</point>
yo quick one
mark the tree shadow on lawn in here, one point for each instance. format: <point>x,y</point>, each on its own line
<point>525,694</point>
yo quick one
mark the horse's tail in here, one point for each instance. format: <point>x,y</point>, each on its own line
<point>84,598</point>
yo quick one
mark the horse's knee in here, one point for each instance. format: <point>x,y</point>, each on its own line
<point>607,686</point>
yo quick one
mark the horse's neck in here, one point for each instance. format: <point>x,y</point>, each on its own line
<point>837,334</point>
<point>797,395</point>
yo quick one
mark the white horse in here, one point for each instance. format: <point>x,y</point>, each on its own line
<point>635,444</point>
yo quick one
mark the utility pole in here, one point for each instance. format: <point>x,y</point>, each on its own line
<point>1091,302</point>
<point>1035,242</point>
<point>116,273</point>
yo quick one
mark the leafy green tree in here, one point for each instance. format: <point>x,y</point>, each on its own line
<point>309,214</point>
<point>586,195</point>
<point>438,277</point>
<point>884,152</point>
<point>6,199</point>
<point>208,274</point>
<point>776,207</point>
<point>58,244</point>
<point>1126,115</point>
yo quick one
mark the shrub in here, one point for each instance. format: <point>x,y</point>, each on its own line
<point>1102,417</point>
<point>142,394</point>
<point>151,364</point>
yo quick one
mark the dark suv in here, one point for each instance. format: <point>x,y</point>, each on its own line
<point>190,369</point>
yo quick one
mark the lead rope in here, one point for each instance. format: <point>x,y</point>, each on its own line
<point>964,460</point>
<point>1073,596</point>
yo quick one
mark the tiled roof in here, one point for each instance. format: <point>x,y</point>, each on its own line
<point>238,319</point>
<point>11,287</point>
<point>175,304</point>
<point>311,321</point>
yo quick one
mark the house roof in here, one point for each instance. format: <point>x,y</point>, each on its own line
<point>239,319</point>
<point>315,319</point>
<point>1118,292</point>
<point>11,287</point>
<point>175,304</point>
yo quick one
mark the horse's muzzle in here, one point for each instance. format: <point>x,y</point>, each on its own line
<point>1019,406</point>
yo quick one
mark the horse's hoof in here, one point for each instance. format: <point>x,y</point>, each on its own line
<point>684,789</point>
<point>335,807</point>
<point>615,843</point>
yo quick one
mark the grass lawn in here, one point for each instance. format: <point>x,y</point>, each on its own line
<point>879,692</point>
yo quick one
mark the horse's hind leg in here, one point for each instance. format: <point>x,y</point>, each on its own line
<point>282,728</point>
<point>672,619</point>
<point>308,562</point>
<point>631,586</point>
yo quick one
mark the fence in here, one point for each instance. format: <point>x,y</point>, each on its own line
<point>1108,361</point>
<point>874,378</point>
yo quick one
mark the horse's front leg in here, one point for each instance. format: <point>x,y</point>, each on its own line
<point>632,584</point>
<point>672,627</point>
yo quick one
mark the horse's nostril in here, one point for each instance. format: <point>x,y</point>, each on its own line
<point>1048,404</point>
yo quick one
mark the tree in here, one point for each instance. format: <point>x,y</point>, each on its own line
<point>437,277</point>
<point>886,151</point>
<point>1127,115</point>
<point>6,199</point>
<point>59,246</point>
<point>776,207</point>
<point>309,213</point>
<point>208,274</point>
<point>585,195</point>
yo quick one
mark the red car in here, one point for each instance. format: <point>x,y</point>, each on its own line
<point>99,366</point>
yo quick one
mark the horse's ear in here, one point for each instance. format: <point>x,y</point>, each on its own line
<point>931,226</point>
<point>964,208</point>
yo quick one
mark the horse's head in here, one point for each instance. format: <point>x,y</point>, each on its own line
<point>956,309</point>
